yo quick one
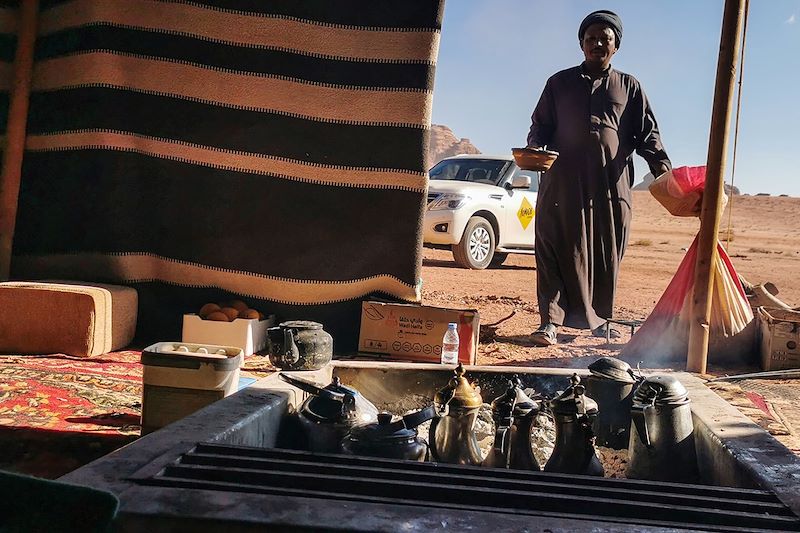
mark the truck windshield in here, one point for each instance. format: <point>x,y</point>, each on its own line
<point>488,171</point>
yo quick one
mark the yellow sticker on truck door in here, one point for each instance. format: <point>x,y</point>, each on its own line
<point>525,213</point>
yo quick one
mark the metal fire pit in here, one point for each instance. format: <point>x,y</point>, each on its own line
<point>221,470</point>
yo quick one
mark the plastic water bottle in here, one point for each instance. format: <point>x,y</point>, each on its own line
<point>450,345</point>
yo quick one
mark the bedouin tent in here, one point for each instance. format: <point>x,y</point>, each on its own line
<point>274,151</point>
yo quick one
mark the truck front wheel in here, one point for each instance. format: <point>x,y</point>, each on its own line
<point>476,248</point>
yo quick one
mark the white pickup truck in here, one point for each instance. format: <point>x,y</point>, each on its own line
<point>481,207</point>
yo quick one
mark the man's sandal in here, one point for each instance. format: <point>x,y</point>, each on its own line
<point>544,336</point>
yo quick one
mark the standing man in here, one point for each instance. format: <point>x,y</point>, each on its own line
<point>595,117</point>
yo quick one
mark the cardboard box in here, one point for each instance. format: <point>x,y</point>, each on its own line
<point>248,334</point>
<point>414,332</point>
<point>780,338</point>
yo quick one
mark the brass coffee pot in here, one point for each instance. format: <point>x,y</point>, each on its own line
<point>514,414</point>
<point>452,434</point>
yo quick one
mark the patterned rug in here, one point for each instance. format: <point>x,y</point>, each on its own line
<point>59,412</point>
<point>67,394</point>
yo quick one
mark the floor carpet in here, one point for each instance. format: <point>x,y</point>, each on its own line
<point>100,395</point>
<point>58,412</point>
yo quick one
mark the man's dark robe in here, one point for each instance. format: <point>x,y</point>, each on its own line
<point>583,212</point>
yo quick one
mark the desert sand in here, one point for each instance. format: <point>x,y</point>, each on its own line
<point>764,247</point>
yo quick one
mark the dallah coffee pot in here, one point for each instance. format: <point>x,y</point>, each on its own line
<point>574,451</point>
<point>662,432</point>
<point>514,414</point>
<point>452,433</point>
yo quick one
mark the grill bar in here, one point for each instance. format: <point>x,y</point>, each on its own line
<point>475,480</point>
<point>373,462</point>
<point>291,472</point>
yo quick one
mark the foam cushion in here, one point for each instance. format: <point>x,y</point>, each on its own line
<point>73,318</point>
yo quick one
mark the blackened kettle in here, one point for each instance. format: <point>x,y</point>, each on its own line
<point>574,413</point>
<point>611,384</point>
<point>299,345</point>
<point>330,412</point>
<point>390,437</point>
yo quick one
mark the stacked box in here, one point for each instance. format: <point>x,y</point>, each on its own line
<point>780,338</point>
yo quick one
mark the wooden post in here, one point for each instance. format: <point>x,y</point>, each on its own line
<point>712,197</point>
<point>11,172</point>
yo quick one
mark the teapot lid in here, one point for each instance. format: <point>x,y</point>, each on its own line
<point>662,390</point>
<point>458,392</point>
<point>574,400</point>
<point>613,369</point>
<point>300,324</point>
<point>389,430</point>
<point>333,402</point>
<point>513,402</point>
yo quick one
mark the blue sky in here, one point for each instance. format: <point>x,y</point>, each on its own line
<point>496,55</point>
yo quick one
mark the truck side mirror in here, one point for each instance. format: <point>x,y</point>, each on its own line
<point>521,181</point>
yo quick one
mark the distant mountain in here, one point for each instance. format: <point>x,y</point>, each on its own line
<point>648,179</point>
<point>444,143</point>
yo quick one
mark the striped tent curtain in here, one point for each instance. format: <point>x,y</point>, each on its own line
<point>271,150</point>
<point>9,20</point>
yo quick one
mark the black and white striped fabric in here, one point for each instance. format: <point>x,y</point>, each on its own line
<point>269,149</point>
<point>9,19</point>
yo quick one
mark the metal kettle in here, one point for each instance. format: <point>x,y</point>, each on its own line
<point>390,437</point>
<point>611,385</point>
<point>299,345</point>
<point>330,412</point>
<point>514,414</point>
<point>452,434</point>
<point>662,432</point>
<point>574,451</point>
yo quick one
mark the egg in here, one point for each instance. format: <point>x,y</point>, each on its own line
<point>231,312</point>
<point>207,310</point>
<point>249,314</point>
<point>218,316</point>
<point>238,305</point>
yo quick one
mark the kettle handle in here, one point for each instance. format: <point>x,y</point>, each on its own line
<point>312,387</point>
<point>432,438</point>
<point>416,418</point>
<point>291,354</point>
<point>501,445</point>
<point>639,417</point>
<point>409,421</point>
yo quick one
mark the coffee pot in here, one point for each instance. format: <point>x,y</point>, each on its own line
<point>662,432</point>
<point>330,412</point>
<point>611,385</point>
<point>390,437</point>
<point>514,414</point>
<point>299,345</point>
<point>452,433</point>
<point>574,413</point>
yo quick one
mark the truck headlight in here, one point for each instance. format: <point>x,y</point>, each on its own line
<point>449,201</point>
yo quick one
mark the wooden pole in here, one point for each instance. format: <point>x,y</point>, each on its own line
<point>11,171</point>
<point>712,197</point>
